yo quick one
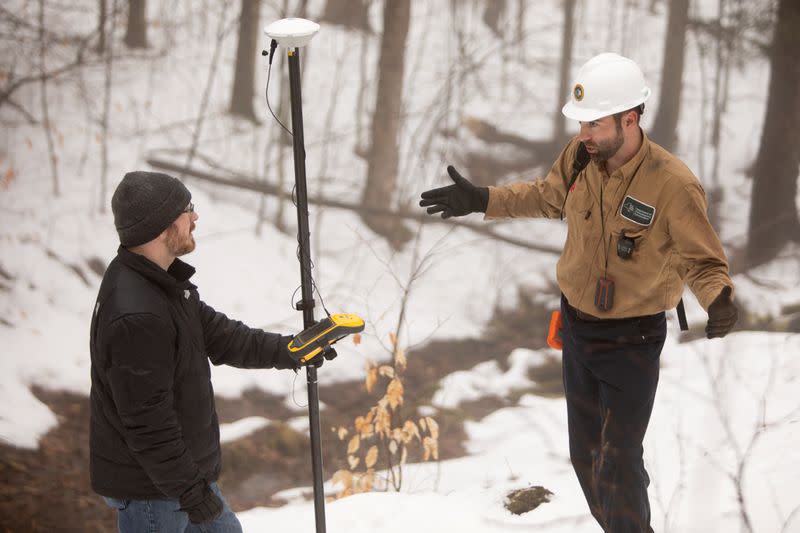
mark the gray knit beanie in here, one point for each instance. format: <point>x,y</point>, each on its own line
<point>145,204</point>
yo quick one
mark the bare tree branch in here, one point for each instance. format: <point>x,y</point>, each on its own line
<point>248,183</point>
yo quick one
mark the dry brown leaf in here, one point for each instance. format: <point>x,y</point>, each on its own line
<point>393,339</point>
<point>353,445</point>
<point>386,371</point>
<point>342,432</point>
<point>393,446</point>
<point>342,477</point>
<point>353,461</point>
<point>357,339</point>
<point>394,393</point>
<point>372,457</point>
<point>383,422</point>
<point>430,449</point>
<point>9,177</point>
<point>400,360</point>
<point>433,428</point>
<point>367,481</point>
<point>363,426</point>
<point>372,378</point>
<point>423,424</point>
<point>410,430</point>
<point>403,455</point>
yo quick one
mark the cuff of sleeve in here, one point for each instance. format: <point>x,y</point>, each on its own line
<point>494,208</point>
<point>709,295</point>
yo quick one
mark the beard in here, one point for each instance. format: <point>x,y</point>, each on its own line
<point>178,244</point>
<point>605,150</point>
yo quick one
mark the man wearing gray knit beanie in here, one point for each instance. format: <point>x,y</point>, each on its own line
<point>154,439</point>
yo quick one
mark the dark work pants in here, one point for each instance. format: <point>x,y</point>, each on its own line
<point>610,371</point>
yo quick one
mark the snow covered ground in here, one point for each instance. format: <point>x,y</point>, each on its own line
<point>722,448</point>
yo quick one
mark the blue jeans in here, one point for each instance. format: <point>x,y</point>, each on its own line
<point>165,516</point>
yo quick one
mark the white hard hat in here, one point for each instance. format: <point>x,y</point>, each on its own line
<point>606,84</point>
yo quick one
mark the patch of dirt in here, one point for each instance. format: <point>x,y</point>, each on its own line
<point>521,501</point>
<point>48,489</point>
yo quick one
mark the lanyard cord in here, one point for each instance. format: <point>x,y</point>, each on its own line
<point>603,227</point>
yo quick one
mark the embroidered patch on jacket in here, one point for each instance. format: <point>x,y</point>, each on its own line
<point>636,211</point>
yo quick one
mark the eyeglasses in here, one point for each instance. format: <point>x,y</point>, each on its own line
<point>189,208</point>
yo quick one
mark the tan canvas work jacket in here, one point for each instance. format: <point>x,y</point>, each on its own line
<point>656,200</point>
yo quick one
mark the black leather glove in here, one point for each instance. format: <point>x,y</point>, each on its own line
<point>200,503</point>
<point>456,200</point>
<point>722,315</point>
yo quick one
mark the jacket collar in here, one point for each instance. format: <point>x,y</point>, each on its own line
<point>174,280</point>
<point>627,170</point>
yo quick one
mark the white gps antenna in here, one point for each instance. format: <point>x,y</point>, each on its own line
<point>292,32</point>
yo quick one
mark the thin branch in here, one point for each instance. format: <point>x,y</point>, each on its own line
<point>248,183</point>
<point>51,150</point>
<point>221,32</point>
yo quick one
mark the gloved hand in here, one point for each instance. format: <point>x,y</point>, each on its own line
<point>200,503</point>
<point>328,353</point>
<point>456,200</point>
<point>722,315</point>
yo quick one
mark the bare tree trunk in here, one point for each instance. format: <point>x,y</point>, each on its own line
<point>245,73</point>
<point>773,213</point>
<point>669,107</point>
<point>136,36</point>
<point>352,14</point>
<point>724,48</point>
<point>212,72</point>
<point>383,156</point>
<point>362,143</point>
<point>559,130</point>
<point>101,27</point>
<point>492,14</point>
<point>107,109</point>
<point>48,130</point>
<point>521,30</point>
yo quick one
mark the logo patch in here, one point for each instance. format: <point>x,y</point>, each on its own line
<point>636,211</point>
<point>577,92</point>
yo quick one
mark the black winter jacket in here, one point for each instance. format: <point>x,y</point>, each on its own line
<point>154,429</point>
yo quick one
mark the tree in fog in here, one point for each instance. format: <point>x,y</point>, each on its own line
<point>669,96</point>
<point>382,161</point>
<point>567,37</point>
<point>773,212</point>
<point>136,35</point>
<point>352,14</point>
<point>246,53</point>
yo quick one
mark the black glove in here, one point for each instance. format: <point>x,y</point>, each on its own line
<point>722,315</point>
<point>328,353</point>
<point>456,200</point>
<point>200,503</point>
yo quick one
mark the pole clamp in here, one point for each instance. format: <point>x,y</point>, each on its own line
<point>302,305</point>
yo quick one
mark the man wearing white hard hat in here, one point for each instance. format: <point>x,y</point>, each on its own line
<point>637,232</point>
